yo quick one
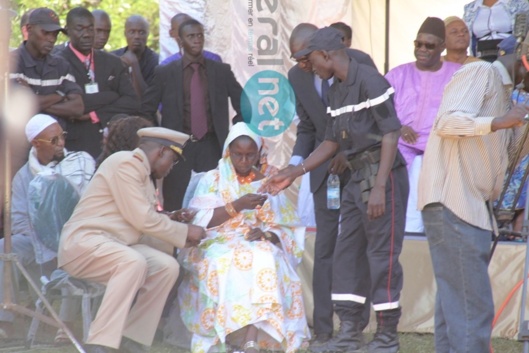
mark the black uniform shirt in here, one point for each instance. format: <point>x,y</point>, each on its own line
<point>361,110</point>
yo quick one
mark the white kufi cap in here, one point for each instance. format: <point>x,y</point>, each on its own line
<point>37,124</point>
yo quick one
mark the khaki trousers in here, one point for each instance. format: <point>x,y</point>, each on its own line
<point>126,271</point>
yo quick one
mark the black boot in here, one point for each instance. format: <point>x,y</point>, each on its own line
<point>349,339</point>
<point>386,339</point>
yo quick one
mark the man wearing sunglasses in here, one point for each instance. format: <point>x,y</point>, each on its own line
<point>47,155</point>
<point>418,91</point>
<point>419,87</point>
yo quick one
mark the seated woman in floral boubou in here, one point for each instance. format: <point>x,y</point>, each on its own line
<point>241,287</point>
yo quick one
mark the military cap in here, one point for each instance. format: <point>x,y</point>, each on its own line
<point>175,140</point>
<point>327,38</point>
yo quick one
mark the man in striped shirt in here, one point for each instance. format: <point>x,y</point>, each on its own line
<point>463,171</point>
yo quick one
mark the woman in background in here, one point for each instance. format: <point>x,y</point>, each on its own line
<point>122,135</point>
<point>491,21</point>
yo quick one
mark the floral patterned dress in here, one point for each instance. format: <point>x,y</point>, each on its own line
<point>230,283</point>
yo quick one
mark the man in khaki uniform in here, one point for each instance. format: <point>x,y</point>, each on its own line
<point>104,241</point>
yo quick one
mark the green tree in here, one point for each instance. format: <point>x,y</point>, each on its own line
<point>117,9</point>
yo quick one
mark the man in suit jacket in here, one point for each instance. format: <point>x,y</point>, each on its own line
<point>311,107</point>
<point>107,88</point>
<point>139,58</point>
<point>183,86</point>
<point>106,241</point>
<point>176,21</point>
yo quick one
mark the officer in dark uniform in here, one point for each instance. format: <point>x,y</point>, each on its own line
<point>363,124</point>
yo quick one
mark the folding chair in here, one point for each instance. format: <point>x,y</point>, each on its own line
<point>52,199</point>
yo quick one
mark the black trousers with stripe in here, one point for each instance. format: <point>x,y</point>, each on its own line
<point>366,257</point>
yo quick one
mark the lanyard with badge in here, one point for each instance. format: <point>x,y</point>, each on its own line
<point>92,87</point>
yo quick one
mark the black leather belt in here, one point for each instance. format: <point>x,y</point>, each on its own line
<point>204,138</point>
<point>363,159</point>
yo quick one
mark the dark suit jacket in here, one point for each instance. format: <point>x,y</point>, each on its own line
<point>167,89</point>
<point>116,95</point>
<point>313,115</point>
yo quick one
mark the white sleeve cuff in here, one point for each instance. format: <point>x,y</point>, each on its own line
<point>295,160</point>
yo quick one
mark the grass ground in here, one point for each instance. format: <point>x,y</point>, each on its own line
<point>409,343</point>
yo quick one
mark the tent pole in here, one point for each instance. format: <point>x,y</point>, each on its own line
<point>386,46</point>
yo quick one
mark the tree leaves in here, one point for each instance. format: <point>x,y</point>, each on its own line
<point>117,9</point>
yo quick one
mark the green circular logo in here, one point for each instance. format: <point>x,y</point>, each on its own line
<point>270,107</point>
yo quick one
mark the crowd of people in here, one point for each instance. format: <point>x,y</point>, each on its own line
<point>423,148</point>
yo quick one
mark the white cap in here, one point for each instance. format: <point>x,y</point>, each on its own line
<point>37,124</point>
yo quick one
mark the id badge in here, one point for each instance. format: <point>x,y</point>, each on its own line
<point>91,88</point>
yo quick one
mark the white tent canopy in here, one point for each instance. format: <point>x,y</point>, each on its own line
<point>366,17</point>
<point>229,34</point>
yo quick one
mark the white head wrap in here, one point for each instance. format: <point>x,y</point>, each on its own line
<point>242,129</point>
<point>37,124</point>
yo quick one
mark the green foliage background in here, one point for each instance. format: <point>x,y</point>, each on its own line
<point>118,10</point>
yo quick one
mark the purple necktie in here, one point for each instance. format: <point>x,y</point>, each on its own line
<point>199,122</point>
<point>325,92</point>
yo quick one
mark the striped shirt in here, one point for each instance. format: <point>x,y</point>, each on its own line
<point>53,74</point>
<point>465,162</point>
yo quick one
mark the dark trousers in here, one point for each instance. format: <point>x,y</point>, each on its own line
<point>326,234</point>
<point>201,156</point>
<point>366,256</point>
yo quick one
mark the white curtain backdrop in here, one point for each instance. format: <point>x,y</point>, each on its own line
<point>228,34</point>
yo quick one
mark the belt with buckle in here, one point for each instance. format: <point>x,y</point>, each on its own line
<point>363,159</point>
<point>205,137</point>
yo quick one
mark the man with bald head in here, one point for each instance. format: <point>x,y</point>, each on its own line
<point>47,155</point>
<point>176,21</point>
<point>24,19</point>
<point>346,30</point>
<point>311,107</point>
<point>102,28</point>
<point>140,59</point>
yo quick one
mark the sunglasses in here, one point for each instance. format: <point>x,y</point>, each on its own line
<point>429,46</point>
<point>54,140</point>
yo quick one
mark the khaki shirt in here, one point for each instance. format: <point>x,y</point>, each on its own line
<point>119,205</point>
